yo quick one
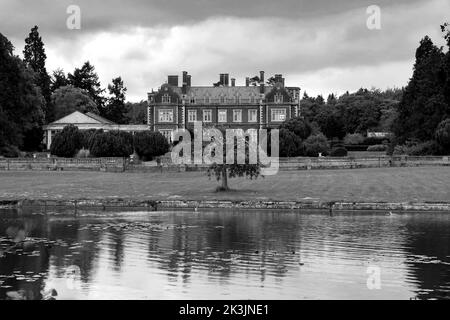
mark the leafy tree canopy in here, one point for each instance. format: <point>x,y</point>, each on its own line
<point>69,99</point>
<point>115,109</point>
<point>86,78</point>
<point>425,102</point>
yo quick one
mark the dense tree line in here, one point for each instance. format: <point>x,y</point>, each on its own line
<point>417,115</point>
<point>357,112</point>
<point>22,104</point>
<point>30,97</point>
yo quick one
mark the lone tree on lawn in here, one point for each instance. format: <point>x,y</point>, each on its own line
<point>242,164</point>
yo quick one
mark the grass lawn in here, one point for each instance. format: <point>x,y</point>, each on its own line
<point>378,184</point>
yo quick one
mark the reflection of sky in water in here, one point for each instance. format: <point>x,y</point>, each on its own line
<point>256,255</point>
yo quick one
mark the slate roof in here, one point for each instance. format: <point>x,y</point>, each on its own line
<point>78,117</point>
<point>98,118</point>
<point>217,92</point>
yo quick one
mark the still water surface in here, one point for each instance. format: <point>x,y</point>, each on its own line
<point>223,255</point>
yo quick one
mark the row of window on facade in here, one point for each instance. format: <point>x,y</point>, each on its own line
<point>278,98</point>
<point>277,115</point>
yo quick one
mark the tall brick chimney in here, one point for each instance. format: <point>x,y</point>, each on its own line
<point>261,82</point>
<point>184,84</point>
<point>172,80</point>
<point>233,82</point>
<point>189,80</point>
<point>224,79</point>
<point>279,79</point>
<point>247,81</point>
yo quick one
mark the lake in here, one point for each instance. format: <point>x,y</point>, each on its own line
<point>223,255</point>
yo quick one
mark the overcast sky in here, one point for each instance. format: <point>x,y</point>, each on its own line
<point>321,46</point>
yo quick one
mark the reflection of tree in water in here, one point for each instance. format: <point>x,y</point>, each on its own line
<point>429,244</point>
<point>68,233</point>
<point>61,237</point>
<point>117,247</point>
<point>222,242</point>
<point>24,262</point>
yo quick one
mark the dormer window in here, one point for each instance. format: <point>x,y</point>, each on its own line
<point>222,99</point>
<point>166,98</point>
<point>192,100</point>
<point>278,98</point>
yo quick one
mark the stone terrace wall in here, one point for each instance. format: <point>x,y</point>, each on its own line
<point>89,164</point>
<point>286,164</point>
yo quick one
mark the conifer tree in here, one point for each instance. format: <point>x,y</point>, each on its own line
<point>34,56</point>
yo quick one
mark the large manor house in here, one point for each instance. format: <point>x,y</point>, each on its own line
<point>224,104</point>
<point>259,104</point>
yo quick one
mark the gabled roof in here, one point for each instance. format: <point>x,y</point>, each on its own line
<point>81,118</point>
<point>98,118</point>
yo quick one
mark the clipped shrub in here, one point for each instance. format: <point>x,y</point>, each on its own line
<point>427,148</point>
<point>400,150</point>
<point>9,152</point>
<point>67,142</point>
<point>316,144</point>
<point>88,137</point>
<point>416,148</point>
<point>377,147</point>
<point>290,144</point>
<point>375,140</point>
<point>83,153</point>
<point>149,144</point>
<point>339,152</point>
<point>353,139</point>
<point>111,144</point>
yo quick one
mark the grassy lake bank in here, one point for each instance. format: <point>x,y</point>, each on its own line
<point>389,188</point>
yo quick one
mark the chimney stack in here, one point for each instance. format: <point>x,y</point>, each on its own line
<point>184,87</point>
<point>172,80</point>
<point>247,81</point>
<point>261,82</point>
<point>279,79</point>
<point>233,82</point>
<point>188,80</point>
<point>224,79</point>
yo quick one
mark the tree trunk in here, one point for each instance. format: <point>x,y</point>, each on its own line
<point>224,179</point>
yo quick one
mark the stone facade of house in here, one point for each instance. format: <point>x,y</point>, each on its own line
<point>256,105</point>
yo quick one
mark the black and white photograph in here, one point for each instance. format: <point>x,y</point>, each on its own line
<point>234,151</point>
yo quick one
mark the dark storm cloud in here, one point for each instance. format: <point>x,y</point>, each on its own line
<point>18,16</point>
